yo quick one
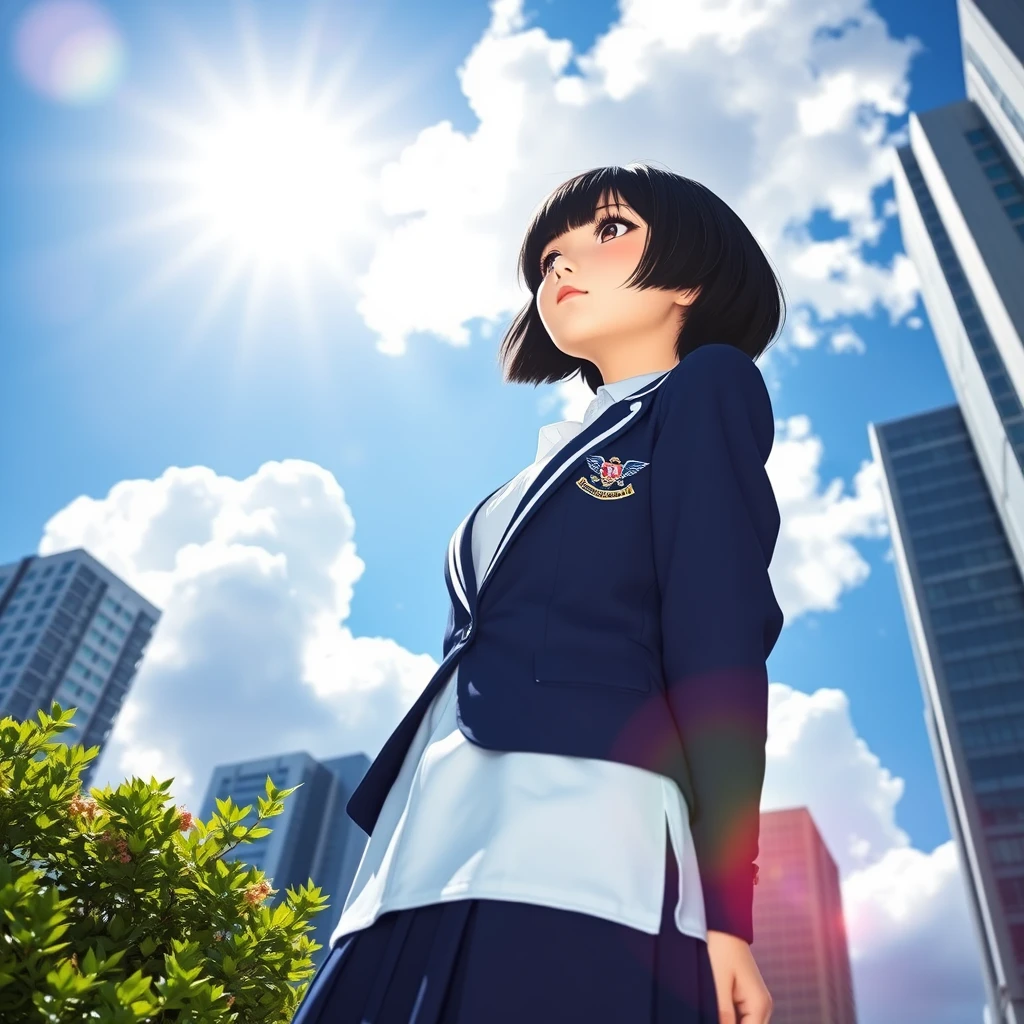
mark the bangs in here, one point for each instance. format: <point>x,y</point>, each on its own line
<point>574,204</point>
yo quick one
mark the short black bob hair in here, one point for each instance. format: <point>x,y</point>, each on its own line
<point>695,239</point>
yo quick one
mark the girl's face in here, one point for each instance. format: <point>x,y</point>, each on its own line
<point>598,258</point>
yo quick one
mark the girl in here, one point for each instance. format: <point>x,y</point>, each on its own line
<point>563,827</point>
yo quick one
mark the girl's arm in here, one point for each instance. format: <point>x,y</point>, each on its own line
<point>715,523</point>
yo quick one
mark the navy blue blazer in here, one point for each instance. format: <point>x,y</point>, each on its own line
<point>627,613</point>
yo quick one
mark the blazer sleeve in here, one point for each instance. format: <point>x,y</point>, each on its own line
<point>715,523</point>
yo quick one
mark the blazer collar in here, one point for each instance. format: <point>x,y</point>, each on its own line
<point>463,586</point>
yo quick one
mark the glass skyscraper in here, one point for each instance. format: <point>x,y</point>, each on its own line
<point>954,477</point>
<point>312,839</point>
<point>70,631</point>
<point>800,942</point>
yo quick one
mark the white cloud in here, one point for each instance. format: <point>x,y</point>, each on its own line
<point>779,108</point>
<point>815,558</point>
<point>251,656</point>
<point>912,946</point>
<point>846,339</point>
<point>801,332</point>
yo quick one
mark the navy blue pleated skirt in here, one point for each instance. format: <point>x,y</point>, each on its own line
<point>495,961</point>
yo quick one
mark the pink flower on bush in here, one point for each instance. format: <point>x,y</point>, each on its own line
<point>257,892</point>
<point>84,806</point>
<point>120,845</point>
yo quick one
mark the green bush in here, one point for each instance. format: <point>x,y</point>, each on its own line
<point>116,908</point>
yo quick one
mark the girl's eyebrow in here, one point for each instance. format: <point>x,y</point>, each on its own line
<point>605,206</point>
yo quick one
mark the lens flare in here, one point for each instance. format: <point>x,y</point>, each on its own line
<point>69,50</point>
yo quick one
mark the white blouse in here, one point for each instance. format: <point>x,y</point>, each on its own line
<point>573,833</point>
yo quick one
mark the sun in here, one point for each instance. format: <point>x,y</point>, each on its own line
<point>267,185</point>
<point>275,182</point>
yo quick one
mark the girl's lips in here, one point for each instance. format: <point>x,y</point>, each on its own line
<point>565,292</point>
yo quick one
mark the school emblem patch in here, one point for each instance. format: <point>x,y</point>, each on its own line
<point>611,474</point>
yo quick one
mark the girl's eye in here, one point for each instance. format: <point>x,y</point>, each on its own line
<point>608,222</point>
<point>548,260</point>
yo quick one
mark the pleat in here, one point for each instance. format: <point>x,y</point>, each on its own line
<point>435,980</point>
<point>385,972</point>
<point>318,999</point>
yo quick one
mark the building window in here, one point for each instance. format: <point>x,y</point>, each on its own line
<point>984,145</point>
<point>67,567</point>
<point>998,169</point>
<point>1011,112</point>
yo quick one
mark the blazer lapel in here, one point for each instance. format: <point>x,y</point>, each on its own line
<point>612,422</point>
<point>459,574</point>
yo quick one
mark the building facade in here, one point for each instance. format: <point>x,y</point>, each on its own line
<point>72,632</point>
<point>799,933</point>
<point>963,597</point>
<point>954,477</point>
<point>312,839</point>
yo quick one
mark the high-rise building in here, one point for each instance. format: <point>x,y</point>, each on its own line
<point>954,477</point>
<point>70,631</point>
<point>312,839</point>
<point>799,933</point>
<point>963,598</point>
<point>992,39</point>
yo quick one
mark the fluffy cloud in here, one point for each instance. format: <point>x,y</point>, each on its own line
<point>781,108</point>
<point>913,950</point>
<point>251,656</point>
<point>815,557</point>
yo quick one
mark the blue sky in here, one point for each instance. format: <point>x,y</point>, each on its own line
<point>106,383</point>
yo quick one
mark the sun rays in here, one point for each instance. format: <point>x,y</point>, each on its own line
<point>263,186</point>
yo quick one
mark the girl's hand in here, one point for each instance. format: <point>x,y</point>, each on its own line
<point>742,995</point>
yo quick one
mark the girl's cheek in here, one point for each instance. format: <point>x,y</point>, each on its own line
<point>622,256</point>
